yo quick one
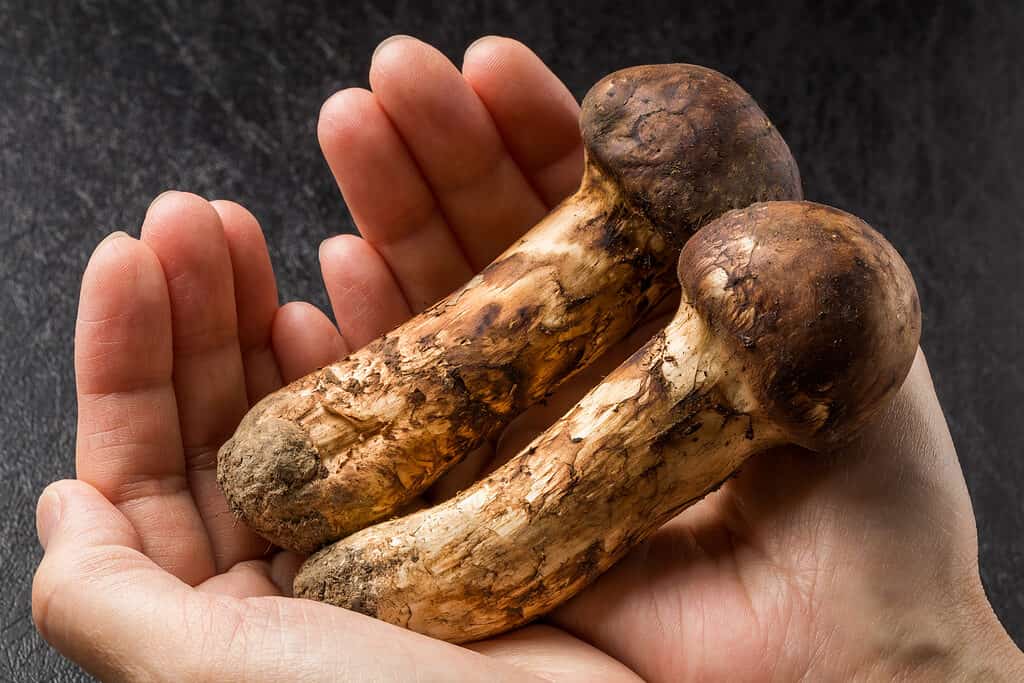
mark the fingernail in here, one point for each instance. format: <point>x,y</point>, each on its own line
<point>116,235</point>
<point>158,198</point>
<point>48,512</point>
<point>391,39</point>
<point>474,44</point>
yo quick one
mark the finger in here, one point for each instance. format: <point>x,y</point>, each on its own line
<point>128,442</point>
<point>536,115</point>
<point>367,300</point>
<point>900,473</point>
<point>102,603</point>
<point>304,339</point>
<point>483,195</point>
<point>93,563</point>
<point>366,154</point>
<point>256,578</point>
<point>255,297</point>
<point>246,579</point>
<point>554,655</point>
<point>186,234</point>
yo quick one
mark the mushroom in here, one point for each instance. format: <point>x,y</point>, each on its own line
<point>668,148</point>
<point>797,322</point>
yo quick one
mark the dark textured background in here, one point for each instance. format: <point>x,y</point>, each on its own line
<point>911,118</point>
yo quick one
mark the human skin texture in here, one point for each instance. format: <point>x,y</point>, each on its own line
<point>798,322</point>
<point>669,147</point>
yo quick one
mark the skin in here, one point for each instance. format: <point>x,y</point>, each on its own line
<point>858,564</point>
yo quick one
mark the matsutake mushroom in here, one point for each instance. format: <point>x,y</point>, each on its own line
<point>797,323</point>
<point>668,148</point>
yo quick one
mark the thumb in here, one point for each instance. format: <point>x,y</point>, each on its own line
<point>71,512</point>
<point>101,602</point>
<point>95,592</point>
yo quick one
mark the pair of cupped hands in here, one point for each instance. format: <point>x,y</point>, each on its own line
<point>858,564</point>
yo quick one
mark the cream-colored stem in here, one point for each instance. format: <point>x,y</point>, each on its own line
<point>351,444</point>
<point>659,433</point>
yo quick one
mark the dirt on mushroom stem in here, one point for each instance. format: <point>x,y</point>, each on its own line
<point>757,356</point>
<point>388,419</point>
<point>669,147</point>
<point>554,518</point>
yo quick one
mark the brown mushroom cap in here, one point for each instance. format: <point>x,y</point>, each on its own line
<point>685,144</point>
<point>818,358</point>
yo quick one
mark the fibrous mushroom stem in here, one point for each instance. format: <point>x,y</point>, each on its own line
<point>798,322</point>
<point>384,423</point>
<point>656,435</point>
<point>668,148</point>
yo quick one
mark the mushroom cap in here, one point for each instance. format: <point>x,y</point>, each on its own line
<point>818,308</point>
<point>685,144</point>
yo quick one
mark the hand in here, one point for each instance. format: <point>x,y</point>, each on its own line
<point>861,563</point>
<point>146,573</point>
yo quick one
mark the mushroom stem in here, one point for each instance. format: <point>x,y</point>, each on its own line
<point>797,323</point>
<point>655,436</point>
<point>469,357</point>
<point>668,148</point>
<point>352,442</point>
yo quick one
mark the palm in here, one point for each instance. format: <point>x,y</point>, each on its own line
<point>788,559</point>
<point>180,333</point>
<point>765,572</point>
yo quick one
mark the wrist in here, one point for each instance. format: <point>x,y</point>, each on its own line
<point>987,652</point>
<point>970,646</point>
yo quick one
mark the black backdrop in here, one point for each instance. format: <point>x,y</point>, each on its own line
<point>910,117</point>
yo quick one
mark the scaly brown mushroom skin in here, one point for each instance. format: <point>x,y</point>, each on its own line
<point>669,147</point>
<point>798,322</point>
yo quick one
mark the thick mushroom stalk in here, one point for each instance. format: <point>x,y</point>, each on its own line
<point>668,148</point>
<point>798,321</point>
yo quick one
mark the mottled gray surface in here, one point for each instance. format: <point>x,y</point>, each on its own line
<point>910,118</point>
